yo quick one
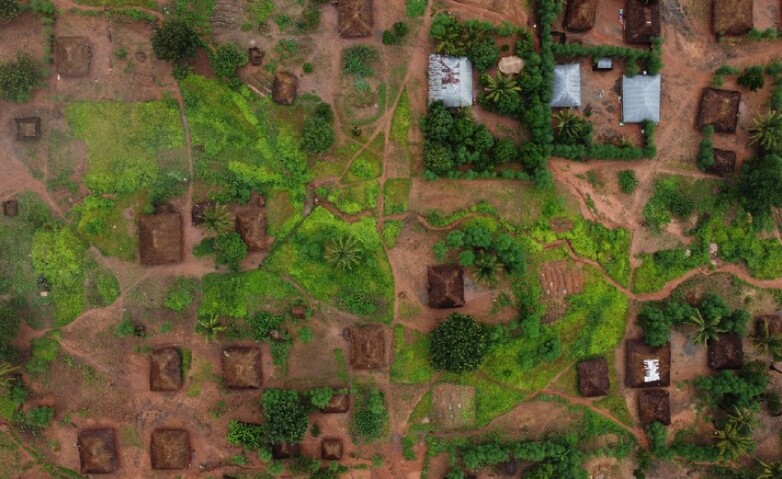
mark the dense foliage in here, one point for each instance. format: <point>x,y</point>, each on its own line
<point>706,149</point>
<point>370,414</point>
<point>740,389</point>
<point>317,131</point>
<point>752,78</point>
<point>9,9</point>
<point>175,40</point>
<point>19,77</point>
<point>459,344</point>
<point>627,181</point>
<point>226,59</point>
<point>285,417</point>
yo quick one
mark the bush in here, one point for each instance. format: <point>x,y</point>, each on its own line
<point>317,135</point>
<point>175,41</point>
<point>370,416</point>
<point>246,435</point>
<point>459,344</point>
<point>359,60</point>
<point>19,77</point>
<point>320,397</point>
<point>286,420</point>
<point>39,417</point>
<point>307,67</point>
<point>8,10</point>
<point>227,59</point>
<point>706,149</point>
<point>230,249</point>
<point>752,78</point>
<point>180,295</point>
<point>627,181</point>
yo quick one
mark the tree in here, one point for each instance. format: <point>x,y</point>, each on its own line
<point>767,131</point>
<point>731,443</point>
<point>760,184</point>
<point>742,419</point>
<point>752,78</point>
<point>706,329</point>
<point>19,77</point>
<point>8,10</point>
<point>175,41</point>
<point>459,344</point>
<point>483,54</point>
<point>210,327</point>
<point>501,89</point>
<point>344,253</point>
<point>227,59</point>
<point>321,397</point>
<point>487,269</point>
<point>438,158</point>
<point>285,418</point>
<point>767,343</point>
<point>317,134</point>
<point>439,122</point>
<point>216,218</point>
<point>572,129</point>
<point>769,471</point>
<point>230,249</point>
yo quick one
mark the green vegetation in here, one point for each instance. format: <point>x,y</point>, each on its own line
<point>9,9</point>
<point>391,231</point>
<point>181,293</point>
<point>317,130</point>
<point>175,40</point>
<point>19,77</point>
<point>397,34</point>
<point>459,344</point>
<point>369,421</point>
<point>411,358</point>
<point>285,419</point>
<point>226,59</point>
<point>752,78</point>
<point>609,247</point>
<point>677,197</point>
<point>359,61</point>
<point>627,181</point>
<point>706,149</point>
<point>400,122</point>
<point>415,8</point>
<point>396,194</point>
<point>237,295</point>
<point>44,351</point>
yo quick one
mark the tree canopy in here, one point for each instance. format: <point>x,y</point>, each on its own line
<point>285,418</point>
<point>176,40</point>
<point>19,77</point>
<point>459,344</point>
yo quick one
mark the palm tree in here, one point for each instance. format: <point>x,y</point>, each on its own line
<point>767,343</point>
<point>742,420</point>
<point>6,372</point>
<point>487,269</point>
<point>731,443</point>
<point>210,327</point>
<point>217,218</point>
<point>501,88</point>
<point>571,128</point>
<point>767,131</point>
<point>344,253</point>
<point>706,330</point>
<point>770,471</point>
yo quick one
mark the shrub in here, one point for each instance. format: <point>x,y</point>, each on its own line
<point>459,344</point>
<point>286,420</point>
<point>227,59</point>
<point>19,77</point>
<point>317,135</point>
<point>370,415</point>
<point>246,435</point>
<point>175,41</point>
<point>706,149</point>
<point>39,417</point>
<point>627,181</point>
<point>8,10</point>
<point>752,78</point>
<point>320,397</point>
<point>230,249</point>
<point>180,295</point>
<point>359,60</point>
<point>307,67</point>
<point>438,158</point>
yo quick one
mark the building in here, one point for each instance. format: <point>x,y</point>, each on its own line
<point>450,80</point>
<point>641,98</point>
<point>566,92</point>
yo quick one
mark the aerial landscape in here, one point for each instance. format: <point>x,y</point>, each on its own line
<point>401,239</point>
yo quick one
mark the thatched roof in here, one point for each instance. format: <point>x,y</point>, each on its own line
<point>724,162</point>
<point>450,80</point>
<point>10,208</point>
<point>285,450</point>
<point>28,128</point>
<point>170,449</point>
<point>581,15</point>
<point>771,321</point>
<point>566,90</point>
<point>642,21</point>
<point>331,449</point>
<point>368,347</point>
<point>446,286</point>
<point>732,17</point>
<point>73,56</point>
<point>255,55</point>
<point>97,451</point>
<point>726,352</point>
<point>720,109</point>
<point>251,226</point>
<point>646,366</point>
<point>654,405</point>
<point>641,98</point>
<point>284,88</point>
<point>160,239</point>
<point>354,18</point>
<point>340,403</point>
<point>242,367</point>
<point>510,65</point>
<point>593,377</point>
<point>165,369</point>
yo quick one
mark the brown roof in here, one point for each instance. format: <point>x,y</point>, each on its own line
<point>256,56</point>
<point>170,449</point>
<point>642,21</point>
<point>165,369</point>
<point>285,450</point>
<point>446,286</point>
<point>197,212</point>
<point>581,15</point>
<point>732,17</point>
<point>10,208</point>
<point>242,367</point>
<point>654,405</point>
<point>720,109</point>
<point>368,347</point>
<point>354,18</point>
<point>251,226</point>
<point>97,451</point>
<point>28,128</point>
<point>726,352</point>
<point>72,56</point>
<point>771,321</point>
<point>724,162</point>
<point>284,88</point>
<point>636,351</point>
<point>339,403</point>
<point>593,377</point>
<point>160,238</point>
<point>331,449</point>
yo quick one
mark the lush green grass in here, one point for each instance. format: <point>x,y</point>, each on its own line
<point>411,359</point>
<point>492,400</point>
<point>391,231</point>
<point>422,410</point>
<point>609,247</point>
<point>281,214</point>
<point>355,198</point>
<point>396,194</point>
<point>400,123</point>
<point>415,8</point>
<point>240,294</point>
<point>677,197</point>
<point>369,164</point>
<point>101,222</point>
<point>663,266</point>
<point>366,290</point>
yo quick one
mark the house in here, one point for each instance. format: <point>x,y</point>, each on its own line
<point>28,128</point>
<point>593,377</point>
<point>647,366</point>
<point>446,286</point>
<point>242,367</point>
<point>97,451</point>
<point>641,98</point>
<point>732,17</point>
<point>720,109</point>
<point>510,65</point>
<point>160,238</point>
<point>368,347</point>
<point>726,352</point>
<point>165,369</point>
<point>654,405</point>
<point>170,449</point>
<point>354,18</point>
<point>581,15</point>
<point>450,80</point>
<point>331,449</point>
<point>566,91</point>
<point>251,226</point>
<point>642,21</point>
<point>10,208</point>
<point>284,88</point>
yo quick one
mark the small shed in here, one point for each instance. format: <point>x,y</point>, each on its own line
<point>724,162</point>
<point>593,378</point>
<point>165,369</point>
<point>255,56</point>
<point>726,352</point>
<point>354,18</point>
<point>160,239</point>
<point>285,450</point>
<point>251,226</point>
<point>768,325</point>
<point>339,403</point>
<point>641,98</point>
<point>654,405</point>
<point>72,56</point>
<point>642,21</point>
<point>97,451</point>
<point>284,88</point>
<point>445,286</point>
<point>170,449</point>
<point>510,65</point>
<point>732,17</point>
<point>566,91</point>
<point>10,208</point>
<point>720,109</point>
<point>28,128</point>
<point>647,366</point>
<point>603,64</point>
<point>581,15</point>
<point>450,80</point>
<point>242,367</point>
<point>331,449</point>
<point>368,347</point>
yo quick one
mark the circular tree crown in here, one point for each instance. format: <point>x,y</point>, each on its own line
<point>459,344</point>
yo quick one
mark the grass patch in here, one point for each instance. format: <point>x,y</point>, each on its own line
<point>415,8</point>
<point>342,365</point>
<point>368,165</point>
<point>396,195</point>
<point>400,122</point>
<point>666,265</point>
<point>148,4</point>
<point>677,197</point>
<point>411,358</point>
<point>197,380</point>
<point>282,216</point>
<point>355,198</point>
<point>609,247</point>
<point>239,294</point>
<point>391,231</point>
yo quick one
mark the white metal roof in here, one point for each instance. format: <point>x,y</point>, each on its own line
<point>641,98</point>
<point>567,86</point>
<point>651,370</point>
<point>450,80</point>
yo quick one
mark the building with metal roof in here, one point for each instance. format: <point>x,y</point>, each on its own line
<point>641,98</point>
<point>450,80</point>
<point>566,92</point>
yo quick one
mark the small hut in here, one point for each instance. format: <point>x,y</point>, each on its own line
<point>720,109</point>
<point>593,377</point>
<point>331,449</point>
<point>642,21</point>
<point>97,451</point>
<point>450,80</point>
<point>581,15</point>
<point>566,91</point>
<point>641,98</point>
<point>446,286</point>
<point>28,128</point>
<point>647,366</point>
<point>160,239</point>
<point>165,369</point>
<point>170,449</point>
<point>72,56</point>
<point>724,162</point>
<point>10,208</point>
<point>285,450</point>
<point>654,405</point>
<point>732,17</point>
<point>603,64</point>
<point>339,403</point>
<point>726,352</point>
<point>368,347</point>
<point>354,18</point>
<point>284,88</point>
<point>510,65</point>
<point>242,367</point>
<point>198,212</point>
<point>251,226</point>
<point>255,55</point>
<point>769,324</point>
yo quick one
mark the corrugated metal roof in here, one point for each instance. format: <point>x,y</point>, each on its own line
<point>567,86</point>
<point>450,80</point>
<point>605,63</point>
<point>641,98</point>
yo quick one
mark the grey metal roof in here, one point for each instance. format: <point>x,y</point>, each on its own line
<point>450,80</point>
<point>641,98</point>
<point>567,86</point>
<point>605,63</point>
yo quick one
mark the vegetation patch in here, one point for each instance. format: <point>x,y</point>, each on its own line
<point>396,194</point>
<point>411,357</point>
